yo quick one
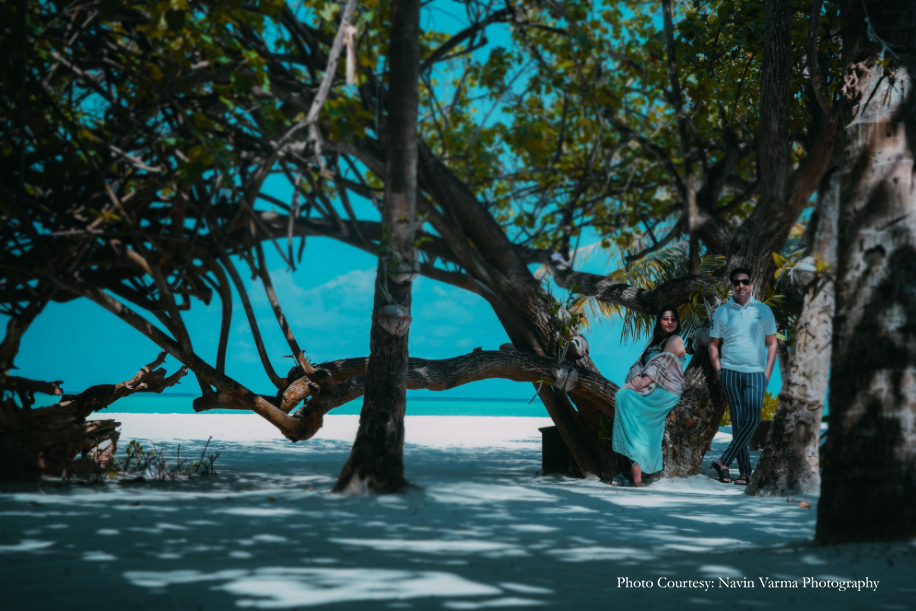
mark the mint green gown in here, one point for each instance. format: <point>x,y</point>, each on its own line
<point>639,424</point>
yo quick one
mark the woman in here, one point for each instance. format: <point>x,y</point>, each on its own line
<point>654,386</point>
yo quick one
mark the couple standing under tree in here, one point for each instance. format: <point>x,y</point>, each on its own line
<point>742,348</point>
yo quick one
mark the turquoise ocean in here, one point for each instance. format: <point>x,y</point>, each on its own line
<point>180,403</point>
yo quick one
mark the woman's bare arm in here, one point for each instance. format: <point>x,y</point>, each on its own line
<point>675,346</point>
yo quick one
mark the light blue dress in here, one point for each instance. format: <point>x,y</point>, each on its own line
<point>639,423</point>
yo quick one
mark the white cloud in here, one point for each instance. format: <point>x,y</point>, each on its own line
<point>444,331</point>
<point>331,320</point>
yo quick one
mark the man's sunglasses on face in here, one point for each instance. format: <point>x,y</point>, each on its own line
<point>742,282</point>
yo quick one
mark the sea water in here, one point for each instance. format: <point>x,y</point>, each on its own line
<point>180,403</point>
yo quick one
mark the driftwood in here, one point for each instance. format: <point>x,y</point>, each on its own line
<point>46,440</point>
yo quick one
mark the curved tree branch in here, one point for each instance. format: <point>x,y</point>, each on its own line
<point>225,297</point>
<point>344,380</point>
<point>252,321</point>
<point>676,232</point>
<point>465,34</point>
<point>278,312</point>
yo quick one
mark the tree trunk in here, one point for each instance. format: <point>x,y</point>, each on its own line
<point>869,476</point>
<point>790,463</point>
<point>376,462</point>
<point>693,423</point>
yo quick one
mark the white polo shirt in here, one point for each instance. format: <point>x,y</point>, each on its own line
<point>743,331</point>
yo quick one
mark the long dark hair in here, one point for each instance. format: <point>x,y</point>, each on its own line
<point>659,335</point>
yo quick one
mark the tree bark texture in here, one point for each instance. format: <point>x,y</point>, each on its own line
<point>773,140</point>
<point>694,421</point>
<point>346,380</point>
<point>350,379</point>
<point>869,475</point>
<point>376,462</point>
<point>790,462</point>
<point>783,193</point>
<point>46,440</point>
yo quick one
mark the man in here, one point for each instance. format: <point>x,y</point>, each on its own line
<point>742,348</point>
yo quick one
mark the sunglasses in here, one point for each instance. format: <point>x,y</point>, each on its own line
<point>742,282</point>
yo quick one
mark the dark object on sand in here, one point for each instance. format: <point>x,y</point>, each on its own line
<point>759,439</point>
<point>555,456</point>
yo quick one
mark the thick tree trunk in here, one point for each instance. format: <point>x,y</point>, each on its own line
<point>694,421</point>
<point>869,476</point>
<point>376,462</point>
<point>790,463</point>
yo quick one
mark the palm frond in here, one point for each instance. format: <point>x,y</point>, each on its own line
<point>648,273</point>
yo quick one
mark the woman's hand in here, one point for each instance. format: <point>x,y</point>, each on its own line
<point>640,382</point>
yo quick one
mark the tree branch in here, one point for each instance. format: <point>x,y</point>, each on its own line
<point>349,377</point>
<point>646,301</point>
<point>682,132</point>
<point>252,321</point>
<point>675,232</point>
<point>278,312</point>
<point>814,68</point>
<point>465,34</point>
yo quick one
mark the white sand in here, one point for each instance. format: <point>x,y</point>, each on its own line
<point>430,431</point>
<point>483,530</point>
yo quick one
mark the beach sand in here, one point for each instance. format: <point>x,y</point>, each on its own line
<point>482,529</point>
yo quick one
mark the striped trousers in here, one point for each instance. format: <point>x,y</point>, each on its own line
<point>745,393</point>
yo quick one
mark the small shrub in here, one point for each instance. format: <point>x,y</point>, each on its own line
<point>139,464</point>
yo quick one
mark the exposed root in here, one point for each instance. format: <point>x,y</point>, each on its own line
<point>45,441</point>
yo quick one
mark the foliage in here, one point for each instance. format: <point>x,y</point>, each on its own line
<point>648,272</point>
<point>670,262</point>
<point>134,154</point>
<point>770,402</point>
<point>563,125</point>
<point>588,127</point>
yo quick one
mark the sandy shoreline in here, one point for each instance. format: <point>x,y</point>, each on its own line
<point>429,431</point>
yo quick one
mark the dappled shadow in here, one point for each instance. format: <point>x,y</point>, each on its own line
<point>482,529</point>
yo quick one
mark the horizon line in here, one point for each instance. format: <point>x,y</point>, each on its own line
<point>195,395</point>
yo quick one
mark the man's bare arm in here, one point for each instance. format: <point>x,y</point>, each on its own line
<point>714,343</point>
<point>771,354</point>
